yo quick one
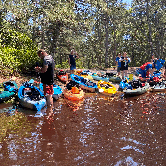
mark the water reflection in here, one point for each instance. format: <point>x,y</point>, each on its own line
<point>101,131</point>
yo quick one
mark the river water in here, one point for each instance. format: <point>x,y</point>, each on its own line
<point>98,130</point>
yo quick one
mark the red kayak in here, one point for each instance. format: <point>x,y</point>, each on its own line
<point>62,76</point>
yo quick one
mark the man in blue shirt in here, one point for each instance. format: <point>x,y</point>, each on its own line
<point>118,63</point>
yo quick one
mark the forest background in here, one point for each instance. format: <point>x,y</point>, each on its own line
<point>97,29</point>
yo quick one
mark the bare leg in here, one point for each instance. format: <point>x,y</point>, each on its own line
<point>71,71</point>
<point>49,101</point>
<point>122,74</point>
<point>125,73</point>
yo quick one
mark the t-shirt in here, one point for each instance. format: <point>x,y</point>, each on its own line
<point>124,62</point>
<point>48,76</point>
<point>72,59</point>
<point>146,66</point>
<point>117,60</point>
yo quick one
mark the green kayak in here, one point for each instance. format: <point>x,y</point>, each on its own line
<point>115,79</point>
<point>8,90</point>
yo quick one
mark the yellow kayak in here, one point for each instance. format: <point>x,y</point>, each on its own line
<point>106,88</point>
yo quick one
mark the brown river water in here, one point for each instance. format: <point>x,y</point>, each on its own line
<point>98,130</point>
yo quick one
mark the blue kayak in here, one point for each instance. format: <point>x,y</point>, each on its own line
<point>8,90</point>
<point>57,91</point>
<point>31,97</point>
<point>84,83</point>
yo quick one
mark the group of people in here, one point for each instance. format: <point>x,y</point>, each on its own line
<point>122,61</point>
<point>149,67</point>
<point>47,70</point>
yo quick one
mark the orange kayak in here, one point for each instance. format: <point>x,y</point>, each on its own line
<point>73,95</point>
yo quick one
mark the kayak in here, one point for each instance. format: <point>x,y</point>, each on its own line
<point>86,76</point>
<point>159,87</point>
<point>84,83</point>
<point>57,91</point>
<point>98,78</point>
<point>73,94</point>
<point>106,88</point>
<point>8,89</point>
<point>138,90</point>
<point>115,79</point>
<point>62,76</point>
<point>31,97</point>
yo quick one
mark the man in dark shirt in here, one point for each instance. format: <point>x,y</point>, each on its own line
<point>72,61</point>
<point>47,75</point>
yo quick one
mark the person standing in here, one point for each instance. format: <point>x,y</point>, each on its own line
<point>153,61</point>
<point>124,64</point>
<point>165,71</point>
<point>47,75</point>
<point>118,63</point>
<point>72,62</point>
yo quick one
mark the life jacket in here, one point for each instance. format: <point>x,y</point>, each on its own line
<point>75,90</point>
<point>156,79</point>
<point>135,84</point>
<point>62,72</point>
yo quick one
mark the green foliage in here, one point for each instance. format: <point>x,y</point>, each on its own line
<point>64,65</point>
<point>17,52</point>
<point>93,28</point>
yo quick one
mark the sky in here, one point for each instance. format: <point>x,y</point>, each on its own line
<point>127,1</point>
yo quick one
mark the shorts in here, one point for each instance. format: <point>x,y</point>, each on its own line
<point>124,68</point>
<point>72,67</point>
<point>118,69</point>
<point>48,89</point>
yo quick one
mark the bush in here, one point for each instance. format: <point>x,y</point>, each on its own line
<point>17,53</point>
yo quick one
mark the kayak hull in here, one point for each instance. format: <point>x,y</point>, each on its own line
<point>115,79</point>
<point>138,91</point>
<point>8,90</point>
<point>57,91</point>
<point>106,88</point>
<point>98,78</point>
<point>81,81</point>
<point>31,97</point>
<point>158,88</point>
<point>71,96</point>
